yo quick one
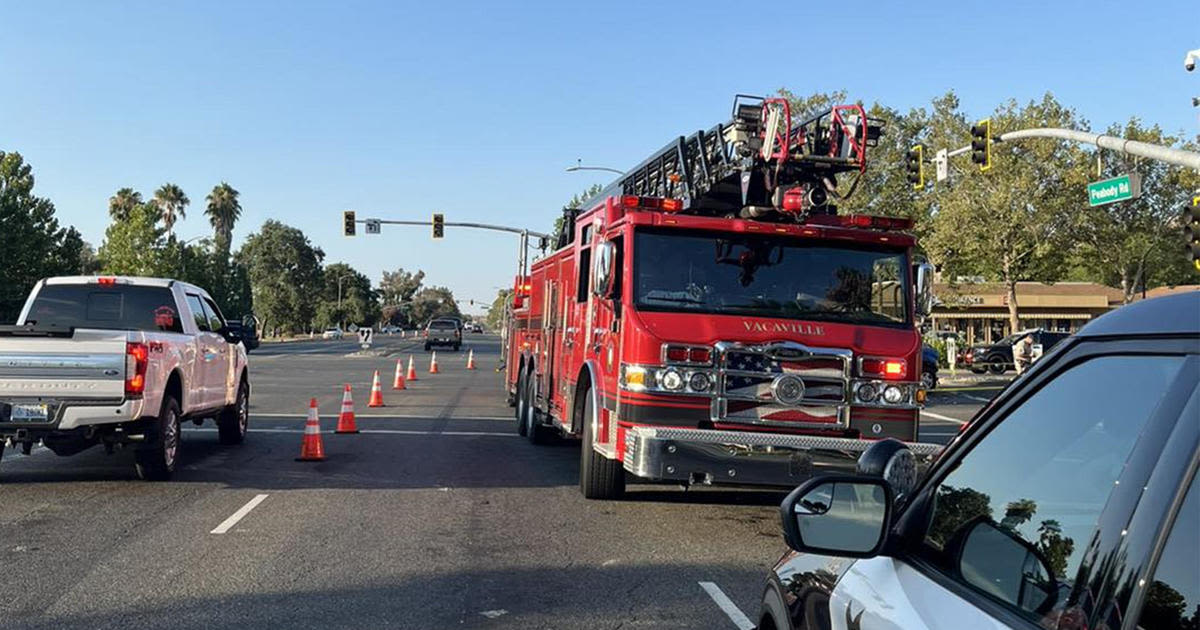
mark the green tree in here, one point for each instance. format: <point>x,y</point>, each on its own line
<point>498,309</point>
<point>1121,244</point>
<point>396,291</point>
<point>575,201</point>
<point>172,205</point>
<point>123,203</point>
<point>284,271</point>
<point>359,303</point>
<point>134,245</point>
<point>433,302</point>
<point>223,211</point>
<point>1012,223</point>
<point>33,243</point>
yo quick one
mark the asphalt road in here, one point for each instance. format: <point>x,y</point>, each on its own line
<point>436,515</point>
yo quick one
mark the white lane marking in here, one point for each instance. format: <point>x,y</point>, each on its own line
<point>233,519</point>
<point>734,613</point>
<point>492,614</point>
<point>977,398</point>
<point>381,431</point>
<point>382,416</point>
<point>938,416</point>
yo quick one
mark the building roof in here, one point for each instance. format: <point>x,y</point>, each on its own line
<point>1160,291</point>
<point>1029,294</point>
<point>1177,313</point>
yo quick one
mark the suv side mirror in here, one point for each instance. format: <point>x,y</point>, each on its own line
<point>604,272</point>
<point>232,335</point>
<point>997,561</point>
<point>923,290</point>
<point>838,515</point>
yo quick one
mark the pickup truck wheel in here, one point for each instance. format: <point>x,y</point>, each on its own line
<point>157,457</point>
<point>928,380</point>
<point>599,477</point>
<point>234,419</point>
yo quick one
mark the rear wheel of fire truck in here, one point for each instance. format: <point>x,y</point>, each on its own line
<point>599,477</point>
<point>534,430</point>
<point>520,413</point>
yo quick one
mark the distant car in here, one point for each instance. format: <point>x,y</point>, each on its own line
<point>998,357</point>
<point>929,367</point>
<point>1071,501</point>
<point>475,328</point>
<point>332,333</point>
<point>443,332</point>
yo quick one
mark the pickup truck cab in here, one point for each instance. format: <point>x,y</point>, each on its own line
<point>1070,502</point>
<point>120,361</point>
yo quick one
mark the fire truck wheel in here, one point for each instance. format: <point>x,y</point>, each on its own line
<point>520,412</point>
<point>599,477</point>
<point>536,432</point>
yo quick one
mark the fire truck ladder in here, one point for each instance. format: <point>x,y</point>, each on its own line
<point>753,159</point>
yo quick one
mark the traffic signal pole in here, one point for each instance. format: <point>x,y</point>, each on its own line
<point>1178,157</point>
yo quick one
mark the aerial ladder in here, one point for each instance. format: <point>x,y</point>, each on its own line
<point>761,164</point>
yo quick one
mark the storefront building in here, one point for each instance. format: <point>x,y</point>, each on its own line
<point>978,313</point>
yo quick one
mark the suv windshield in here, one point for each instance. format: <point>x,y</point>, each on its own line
<point>771,277</point>
<point>118,307</point>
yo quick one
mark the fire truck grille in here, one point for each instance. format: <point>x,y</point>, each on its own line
<point>749,379</point>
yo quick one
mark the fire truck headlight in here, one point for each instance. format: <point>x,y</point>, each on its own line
<point>670,380</point>
<point>699,382</point>
<point>892,394</point>
<point>867,393</point>
<point>633,377</point>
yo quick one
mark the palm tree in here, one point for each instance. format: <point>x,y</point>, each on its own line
<point>171,202</point>
<point>121,205</point>
<point>223,211</point>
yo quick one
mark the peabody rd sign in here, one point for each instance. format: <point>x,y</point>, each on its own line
<point>1116,189</point>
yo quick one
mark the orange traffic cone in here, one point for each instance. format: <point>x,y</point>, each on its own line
<point>433,363</point>
<point>398,382</point>
<point>376,393</point>
<point>346,418</point>
<point>412,371</point>
<point>470,359</point>
<point>311,449</point>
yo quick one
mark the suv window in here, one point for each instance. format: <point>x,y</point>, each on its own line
<point>1012,520</point>
<point>443,325</point>
<point>118,306</point>
<point>1173,600</point>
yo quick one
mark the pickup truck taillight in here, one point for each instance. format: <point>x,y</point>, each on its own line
<point>137,357</point>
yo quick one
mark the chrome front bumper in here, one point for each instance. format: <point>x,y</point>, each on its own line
<point>707,456</point>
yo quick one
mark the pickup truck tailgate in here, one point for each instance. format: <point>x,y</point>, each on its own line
<point>90,365</point>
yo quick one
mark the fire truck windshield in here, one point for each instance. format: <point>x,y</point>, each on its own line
<point>770,276</point>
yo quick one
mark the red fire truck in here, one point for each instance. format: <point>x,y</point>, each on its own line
<point>710,317</point>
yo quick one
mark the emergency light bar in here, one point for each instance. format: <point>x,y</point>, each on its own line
<point>862,221</point>
<point>666,204</point>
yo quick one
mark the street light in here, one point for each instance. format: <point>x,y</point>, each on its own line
<point>340,278</point>
<point>580,167</point>
<point>182,248</point>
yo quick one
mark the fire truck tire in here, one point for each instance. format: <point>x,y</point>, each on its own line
<point>520,411</point>
<point>599,477</point>
<point>536,432</point>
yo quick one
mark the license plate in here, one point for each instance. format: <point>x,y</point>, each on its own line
<point>29,413</point>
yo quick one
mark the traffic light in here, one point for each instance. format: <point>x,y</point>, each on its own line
<point>439,223</point>
<point>348,223</point>
<point>981,144</point>
<point>914,166</point>
<point>1191,230</point>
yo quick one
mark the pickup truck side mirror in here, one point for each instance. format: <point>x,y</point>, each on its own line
<point>232,335</point>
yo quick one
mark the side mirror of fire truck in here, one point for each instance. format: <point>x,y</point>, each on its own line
<point>923,279</point>
<point>604,272</point>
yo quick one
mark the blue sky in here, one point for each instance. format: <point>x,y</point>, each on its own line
<point>397,110</point>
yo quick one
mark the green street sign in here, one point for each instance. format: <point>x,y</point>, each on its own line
<point>1116,189</point>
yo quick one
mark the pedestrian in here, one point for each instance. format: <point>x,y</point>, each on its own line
<point>1023,353</point>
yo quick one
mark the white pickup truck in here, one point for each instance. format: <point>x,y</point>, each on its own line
<point>120,361</point>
